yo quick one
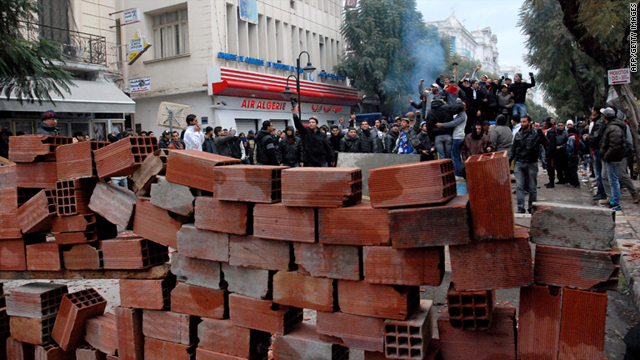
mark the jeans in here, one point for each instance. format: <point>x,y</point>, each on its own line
<point>455,154</point>
<point>572,170</point>
<point>597,166</point>
<point>613,170</point>
<point>520,109</point>
<point>443,145</point>
<point>543,155</point>
<point>526,172</point>
<point>624,180</point>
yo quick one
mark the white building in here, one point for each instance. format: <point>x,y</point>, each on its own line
<point>94,105</point>
<point>227,61</point>
<point>479,45</point>
<point>511,71</point>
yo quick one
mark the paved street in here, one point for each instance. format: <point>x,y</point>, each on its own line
<point>622,313</point>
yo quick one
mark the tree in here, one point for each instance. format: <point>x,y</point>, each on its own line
<point>537,112</point>
<point>389,50</point>
<point>30,66</point>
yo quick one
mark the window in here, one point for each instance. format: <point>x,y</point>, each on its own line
<point>453,44</point>
<point>170,34</point>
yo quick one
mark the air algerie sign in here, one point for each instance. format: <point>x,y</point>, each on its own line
<point>263,104</point>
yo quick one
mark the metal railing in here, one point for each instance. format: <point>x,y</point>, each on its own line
<point>76,46</point>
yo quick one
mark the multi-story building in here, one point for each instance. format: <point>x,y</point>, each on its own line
<point>94,104</point>
<point>228,61</point>
<point>479,45</point>
<point>511,71</point>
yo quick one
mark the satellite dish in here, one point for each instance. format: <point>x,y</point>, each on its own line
<point>173,115</point>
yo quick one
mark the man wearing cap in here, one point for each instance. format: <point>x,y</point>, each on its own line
<point>391,138</point>
<point>48,124</point>
<point>165,140</point>
<point>519,90</point>
<point>569,124</point>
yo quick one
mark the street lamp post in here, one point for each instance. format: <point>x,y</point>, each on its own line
<point>309,68</point>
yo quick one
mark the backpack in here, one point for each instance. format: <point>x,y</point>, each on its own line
<point>574,145</point>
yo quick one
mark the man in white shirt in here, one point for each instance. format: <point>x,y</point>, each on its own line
<point>193,137</point>
<point>515,121</point>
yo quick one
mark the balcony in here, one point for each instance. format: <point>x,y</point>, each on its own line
<point>76,46</point>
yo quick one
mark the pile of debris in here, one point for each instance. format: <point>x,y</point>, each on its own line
<point>255,245</point>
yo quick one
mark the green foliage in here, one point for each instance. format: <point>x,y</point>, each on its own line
<point>29,68</point>
<point>537,112</point>
<point>389,50</point>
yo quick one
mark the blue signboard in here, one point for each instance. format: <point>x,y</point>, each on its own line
<point>249,11</point>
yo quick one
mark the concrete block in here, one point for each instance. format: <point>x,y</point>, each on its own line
<point>75,309</point>
<point>172,197</point>
<point>263,315</point>
<point>252,252</point>
<point>279,222</point>
<point>130,337</point>
<point>114,203</point>
<point>305,343</point>
<point>383,301</point>
<point>194,168</point>
<point>556,224</point>
<point>156,224</point>
<point>256,184</point>
<point>431,226</point>
<point>102,333</point>
<point>360,332</point>
<point>162,350</point>
<point>202,244</point>
<point>409,339</point>
<point>44,257</point>
<point>323,187</point>
<point>170,326</point>
<point>583,325</point>
<point>368,226</point>
<point>30,330</point>
<point>36,300</point>
<point>199,301</point>
<point>223,216</point>
<point>332,261</point>
<point>197,272</point>
<point>146,294</point>
<point>385,265</point>
<point>307,292</point>
<point>221,336</point>
<point>539,323</point>
<point>254,283</point>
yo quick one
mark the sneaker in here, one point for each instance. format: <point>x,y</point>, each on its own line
<point>604,202</point>
<point>636,198</point>
<point>521,211</point>
<point>459,178</point>
<point>549,186</point>
<point>612,206</point>
<point>599,197</point>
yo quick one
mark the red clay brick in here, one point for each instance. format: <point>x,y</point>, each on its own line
<point>279,222</point>
<point>114,203</point>
<point>36,214</point>
<point>38,175</point>
<point>77,223</point>
<point>466,344</point>
<point>197,272</point>
<point>409,339</point>
<point>470,310</point>
<point>53,352</point>
<point>130,338</point>
<point>332,261</point>
<point>155,164</point>
<point>123,157</point>
<point>9,227</point>
<point>132,254</point>
<point>431,226</point>
<point>202,354</point>
<point>321,187</point>
<point>13,255</point>
<point>36,300</point>
<point>170,326</point>
<point>102,333</point>
<point>5,327</point>
<point>383,301</point>
<point>86,352</point>
<point>582,327</point>
<point>223,216</point>
<point>305,343</point>
<point>156,224</point>
<point>436,184</point>
<point>199,301</point>
<point>252,252</point>
<point>8,177</point>
<point>263,315</point>
<point>32,331</point>
<point>575,268</point>
<point>73,196</point>
<point>30,148</point>
<point>74,311</point>
<point>163,350</point>
<point>256,184</point>
<point>72,238</point>
<point>145,294</point>
<point>360,332</point>
<point>539,323</point>
<point>489,186</point>
<point>9,200</point>
<point>17,350</point>
<point>44,257</point>
<point>367,226</point>
<point>490,265</point>
<point>385,265</point>
<point>195,168</point>
<point>202,244</point>
<point>297,290</point>
<point>82,257</point>
<point>221,336</point>
<point>75,161</point>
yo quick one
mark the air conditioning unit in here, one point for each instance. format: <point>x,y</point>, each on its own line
<point>72,52</point>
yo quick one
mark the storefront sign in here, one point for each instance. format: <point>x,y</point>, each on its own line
<point>139,85</point>
<point>132,16</point>
<point>326,109</point>
<point>249,11</point>
<point>269,64</point>
<point>263,104</point>
<point>619,76</point>
<point>137,47</point>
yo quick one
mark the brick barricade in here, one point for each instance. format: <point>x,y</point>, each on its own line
<point>223,216</point>
<point>203,244</point>
<point>279,222</point>
<point>172,197</point>
<point>75,161</point>
<point>321,187</point>
<point>36,214</point>
<point>263,315</point>
<point>256,184</point>
<point>132,254</point>
<point>424,183</point>
<point>145,294</point>
<point>36,300</point>
<point>30,148</point>
<point>305,343</point>
<point>360,332</point>
<point>471,310</point>
<point>539,323</point>
<point>114,203</point>
<point>368,226</point>
<point>73,196</point>
<point>195,168</point>
<point>199,301</point>
<point>75,309</point>
<point>156,224</point>
<point>37,175</point>
<point>44,257</point>
<point>125,156</point>
<point>582,326</point>
<point>332,261</point>
<point>221,336</point>
<point>102,333</point>
<point>383,301</point>
<point>170,326</point>
<point>385,265</point>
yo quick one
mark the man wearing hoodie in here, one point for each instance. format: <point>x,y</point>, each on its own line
<point>442,112</point>
<point>266,147</point>
<point>291,149</point>
<point>475,143</point>
<point>428,150</point>
<point>368,138</point>
<point>317,151</point>
<point>613,149</point>
<point>519,90</point>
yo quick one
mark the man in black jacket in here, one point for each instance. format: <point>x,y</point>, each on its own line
<point>613,149</point>
<point>519,90</point>
<point>442,113</point>
<point>368,138</point>
<point>291,149</point>
<point>209,145</point>
<point>593,139</point>
<point>266,147</point>
<point>526,151</point>
<point>351,143</point>
<point>335,139</point>
<point>317,151</point>
<point>391,137</point>
<point>165,140</point>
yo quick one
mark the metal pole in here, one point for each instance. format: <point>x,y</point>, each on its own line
<point>298,86</point>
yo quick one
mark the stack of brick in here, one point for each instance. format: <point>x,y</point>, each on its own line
<point>575,266</point>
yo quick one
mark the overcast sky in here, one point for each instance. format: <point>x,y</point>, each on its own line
<point>500,15</point>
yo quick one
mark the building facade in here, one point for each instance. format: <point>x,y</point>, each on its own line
<point>227,61</point>
<point>479,45</point>
<point>511,71</point>
<point>94,105</point>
